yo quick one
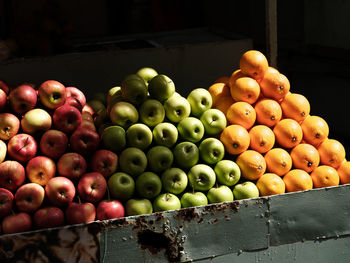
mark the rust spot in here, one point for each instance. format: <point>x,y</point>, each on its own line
<point>140,223</point>
<point>200,221</point>
<point>187,214</point>
<point>234,206</point>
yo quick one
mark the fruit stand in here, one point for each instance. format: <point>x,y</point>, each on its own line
<point>274,218</point>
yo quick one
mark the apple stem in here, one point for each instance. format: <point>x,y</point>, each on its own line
<point>167,197</point>
<point>217,185</point>
<point>79,200</point>
<point>13,212</point>
<point>108,194</point>
<point>192,190</point>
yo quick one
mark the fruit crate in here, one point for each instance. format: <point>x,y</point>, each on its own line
<point>307,226</point>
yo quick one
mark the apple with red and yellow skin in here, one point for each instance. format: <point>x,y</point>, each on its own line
<point>9,126</point>
<point>3,100</point>
<point>22,99</point>
<point>47,217</point>
<point>16,223</point>
<point>66,118</point>
<point>77,94</point>
<point>89,109</point>
<point>71,165</point>
<point>92,187</point>
<point>6,202</point>
<point>40,170</point>
<point>109,209</point>
<point>104,162</point>
<point>60,191</point>
<point>53,143</point>
<point>12,175</point>
<point>78,213</point>
<point>84,141</point>
<point>22,147</point>
<point>52,94</point>
<point>71,101</point>
<point>29,197</point>
<point>4,86</point>
<point>3,150</point>
<point>36,120</point>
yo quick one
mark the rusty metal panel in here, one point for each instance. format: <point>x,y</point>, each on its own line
<point>310,215</point>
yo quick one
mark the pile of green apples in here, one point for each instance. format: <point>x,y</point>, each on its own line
<point>168,147</point>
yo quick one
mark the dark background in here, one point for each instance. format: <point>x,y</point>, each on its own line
<point>313,37</point>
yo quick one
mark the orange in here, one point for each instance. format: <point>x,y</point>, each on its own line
<point>344,172</point>
<point>262,138</point>
<point>219,90</point>
<point>288,133</point>
<point>270,184</point>
<point>235,139</point>
<point>241,113</point>
<point>254,64</point>
<point>245,89</point>
<point>295,106</point>
<point>235,75</point>
<point>252,164</point>
<point>268,112</point>
<point>274,85</point>
<point>297,180</point>
<point>305,157</point>
<point>315,130</point>
<point>223,103</point>
<point>222,79</point>
<point>278,161</point>
<point>324,176</point>
<point>332,153</point>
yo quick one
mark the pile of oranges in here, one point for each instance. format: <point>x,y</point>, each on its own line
<point>271,134</point>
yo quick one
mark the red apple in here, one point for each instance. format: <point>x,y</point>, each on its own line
<point>89,109</point>
<point>84,141</point>
<point>22,99</point>
<point>77,94</point>
<point>12,175</point>
<point>92,187</point>
<point>29,197</point>
<point>52,94</point>
<point>104,162</point>
<point>78,213</point>
<point>109,209</point>
<point>53,143</point>
<point>87,116</point>
<point>71,165</point>
<point>40,170</point>
<point>73,102</point>
<point>67,118</point>
<point>3,100</point>
<point>85,124</point>
<point>4,86</point>
<point>22,147</point>
<point>60,191</point>
<point>49,216</point>
<point>6,202</point>
<point>9,126</point>
<point>16,223</point>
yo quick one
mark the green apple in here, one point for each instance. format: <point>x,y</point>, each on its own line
<point>161,87</point>
<point>138,206</point>
<point>113,138</point>
<point>214,121</point>
<point>134,90</point>
<point>123,114</point>
<point>177,108</point>
<point>133,161</point>
<point>36,120</point>
<point>200,101</point>
<point>159,158</point>
<point>245,190</point>
<point>3,150</point>
<point>139,135</point>
<point>151,112</point>
<point>166,201</point>
<point>147,74</point>
<point>165,134</point>
<point>113,94</point>
<point>174,180</point>
<point>186,154</point>
<point>201,177</point>
<point>99,96</point>
<point>100,117</point>
<point>227,172</point>
<point>191,199</point>
<point>220,194</point>
<point>191,129</point>
<point>148,185</point>
<point>121,186</point>
<point>211,150</point>
<point>96,105</point>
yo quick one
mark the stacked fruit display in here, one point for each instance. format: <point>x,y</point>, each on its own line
<point>271,135</point>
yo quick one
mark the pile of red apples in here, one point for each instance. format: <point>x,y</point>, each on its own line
<point>52,169</point>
